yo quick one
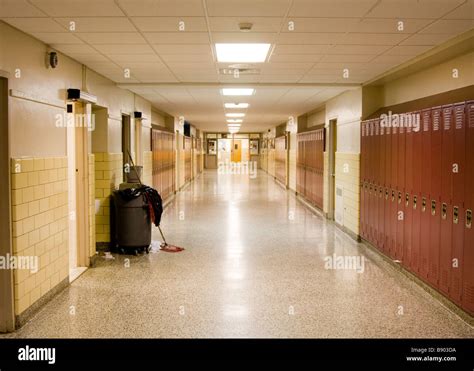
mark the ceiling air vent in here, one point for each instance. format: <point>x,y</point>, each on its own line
<point>239,69</point>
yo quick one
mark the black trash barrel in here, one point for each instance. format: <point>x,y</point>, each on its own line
<point>132,221</point>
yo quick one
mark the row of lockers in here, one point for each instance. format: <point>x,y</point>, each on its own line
<point>310,166</point>
<point>163,153</point>
<point>188,167</point>
<point>280,159</point>
<point>417,195</point>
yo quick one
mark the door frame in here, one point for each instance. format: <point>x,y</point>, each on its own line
<point>7,309</point>
<point>332,149</point>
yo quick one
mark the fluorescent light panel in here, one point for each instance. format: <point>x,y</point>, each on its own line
<point>236,105</point>
<point>242,53</point>
<point>235,120</point>
<point>238,91</point>
<point>235,114</point>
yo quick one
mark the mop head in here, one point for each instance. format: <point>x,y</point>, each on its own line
<point>170,248</point>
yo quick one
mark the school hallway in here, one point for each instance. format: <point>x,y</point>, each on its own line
<point>254,266</point>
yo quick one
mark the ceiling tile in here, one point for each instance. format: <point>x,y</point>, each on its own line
<point>426,39</point>
<point>112,38</point>
<point>182,49</point>
<point>301,49</point>
<point>267,8</point>
<point>465,11</point>
<point>181,8</point>
<point>408,50</point>
<point>125,49</point>
<point>170,24</point>
<point>132,57</point>
<point>72,48</point>
<point>177,37</point>
<point>88,58</point>
<point>320,24</point>
<point>388,25</point>
<point>74,8</point>
<point>35,24</point>
<point>57,38</point>
<point>295,58</point>
<point>449,26</point>
<point>98,24</point>
<point>423,9</point>
<point>347,58</point>
<point>310,38</point>
<point>331,8</point>
<point>231,24</point>
<point>19,8</point>
<point>358,49</point>
<point>372,39</point>
<point>184,57</point>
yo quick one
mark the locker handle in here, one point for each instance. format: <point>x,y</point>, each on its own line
<point>455,215</point>
<point>407,199</point>
<point>469,219</point>
<point>433,207</point>
<point>386,194</point>
<point>423,204</point>
<point>393,196</point>
<point>399,197</point>
<point>444,211</point>
<point>381,193</point>
<point>415,200</point>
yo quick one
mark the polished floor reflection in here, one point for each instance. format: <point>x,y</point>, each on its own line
<point>255,265</point>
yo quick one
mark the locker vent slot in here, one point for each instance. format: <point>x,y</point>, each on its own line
<point>399,197</point>
<point>469,219</point>
<point>444,210</point>
<point>423,204</point>
<point>407,200</point>
<point>456,215</point>
<point>415,200</point>
<point>433,207</point>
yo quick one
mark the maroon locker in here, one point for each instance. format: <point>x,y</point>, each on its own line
<point>416,195</point>
<point>400,191</point>
<point>468,271</point>
<point>408,221</point>
<point>381,199</point>
<point>446,209</point>
<point>394,195</point>
<point>376,182</point>
<point>370,213</point>
<point>362,179</point>
<point>425,193</point>
<point>435,196</point>
<point>387,190</point>
<point>458,201</point>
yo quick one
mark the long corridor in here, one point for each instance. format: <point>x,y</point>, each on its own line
<point>255,265</point>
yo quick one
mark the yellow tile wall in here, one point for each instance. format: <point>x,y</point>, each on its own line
<point>350,183</point>
<point>108,176</point>
<point>148,168</point>
<point>40,225</point>
<point>92,247</point>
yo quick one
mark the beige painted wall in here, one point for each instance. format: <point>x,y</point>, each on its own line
<point>431,81</point>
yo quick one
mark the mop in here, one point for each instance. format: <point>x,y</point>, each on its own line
<point>164,246</point>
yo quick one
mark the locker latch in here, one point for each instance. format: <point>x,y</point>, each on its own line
<point>399,197</point>
<point>468,219</point>
<point>381,192</point>
<point>444,211</point>
<point>433,207</point>
<point>386,194</point>
<point>407,199</point>
<point>415,200</point>
<point>393,196</point>
<point>455,215</point>
<point>423,204</point>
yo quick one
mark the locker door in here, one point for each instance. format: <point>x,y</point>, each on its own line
<point>381,199</point>
<point>400,192</point>
<point>408,221</point>
<point>416,196</point>
<point>394,195</point>
<point>435,196</point>
<point>387,190</point>
<point>376,182</point>
<point>371,212</point>
<point>362,179</point>
<point>468,271</point>
<point>425,194</point>
<point>458,171</point>
<point>446,180</point>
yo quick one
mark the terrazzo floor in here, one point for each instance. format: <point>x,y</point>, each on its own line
<point>253,267</point>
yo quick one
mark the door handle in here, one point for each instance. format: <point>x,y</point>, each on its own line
<point>415,200</point>
<point>455,215</point>
<point>444,210</point>
<point>433,207</point>
<point>469,219</point>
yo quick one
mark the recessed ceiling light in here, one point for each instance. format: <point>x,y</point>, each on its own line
<point>238,91</point>
<point>233,125</point>
<point>236,105</point>
<point>235,120</point>
<point>242,53</point>
<point>235,114</point>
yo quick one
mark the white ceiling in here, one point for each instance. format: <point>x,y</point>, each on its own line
<point>329,35</point>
